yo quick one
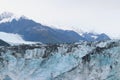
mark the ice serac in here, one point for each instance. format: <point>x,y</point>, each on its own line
<point>77,61</point>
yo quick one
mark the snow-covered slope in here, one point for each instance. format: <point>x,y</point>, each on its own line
<point>13,38</point>
<point>8,17</point>
<point>95,36</point>
<point>91,35</point>
<point>78,61</point>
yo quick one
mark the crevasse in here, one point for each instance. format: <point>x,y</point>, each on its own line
<point>77,61</point>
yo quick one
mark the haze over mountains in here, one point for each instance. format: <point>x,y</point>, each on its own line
<point>30,30</point>
<point>59,40</point>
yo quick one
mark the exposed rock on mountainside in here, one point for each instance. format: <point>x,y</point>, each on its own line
<point>36,32</point>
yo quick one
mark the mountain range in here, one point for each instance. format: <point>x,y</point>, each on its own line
<point>31,30</point>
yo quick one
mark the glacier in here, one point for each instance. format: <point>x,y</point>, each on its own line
<point>14,39</point>
<point>75,61</point>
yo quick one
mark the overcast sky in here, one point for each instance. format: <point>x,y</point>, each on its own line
<point>93,15</point>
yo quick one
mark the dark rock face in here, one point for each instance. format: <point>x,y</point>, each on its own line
<point>3,43</point>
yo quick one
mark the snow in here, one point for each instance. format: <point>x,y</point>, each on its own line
<point>78,30</point>
<point>94,36</point>
<point>8,17</point>
<point>13,38</point>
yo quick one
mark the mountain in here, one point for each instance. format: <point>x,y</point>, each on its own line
<point>32,31</point>
<point>91,36</point>
<point>76,61</point>
<point>36,32</point>
<point>95,37</point>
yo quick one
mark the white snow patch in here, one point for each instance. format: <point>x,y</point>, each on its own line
<point>13,38</point>
<point>8,17</point>
<point>95,37</point>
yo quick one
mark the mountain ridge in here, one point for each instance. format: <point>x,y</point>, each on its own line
<point>34,31</point>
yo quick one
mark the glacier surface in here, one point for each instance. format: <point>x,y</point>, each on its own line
<point>76,61</point>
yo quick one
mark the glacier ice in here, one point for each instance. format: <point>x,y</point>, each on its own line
<point>76,61</point>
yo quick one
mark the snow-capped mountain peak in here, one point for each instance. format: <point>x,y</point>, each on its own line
<point>8,17</point>
<point>5,15</point>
